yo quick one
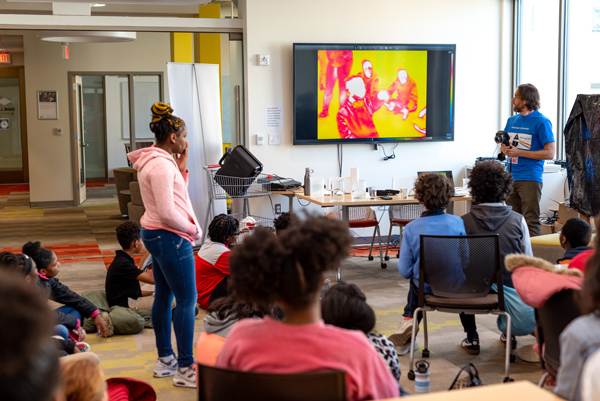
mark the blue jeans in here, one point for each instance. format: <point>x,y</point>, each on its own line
<point>60,330</point>
<point>174,274</point>
<point>67,310</point>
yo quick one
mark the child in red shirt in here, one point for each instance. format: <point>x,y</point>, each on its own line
<point>212,267</point>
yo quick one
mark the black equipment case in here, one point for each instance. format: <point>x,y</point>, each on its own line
<point>238,171</point>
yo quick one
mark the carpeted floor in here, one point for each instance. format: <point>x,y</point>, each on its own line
<point>85,242</point>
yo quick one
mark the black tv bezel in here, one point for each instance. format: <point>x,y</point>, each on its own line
<point>374,140</point>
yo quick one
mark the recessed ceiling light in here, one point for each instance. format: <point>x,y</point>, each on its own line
<point>99,5</point>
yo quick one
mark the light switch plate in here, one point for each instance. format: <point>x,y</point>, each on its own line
<point>263,59</point>
<point>274,139</point>
<point>260,139</point>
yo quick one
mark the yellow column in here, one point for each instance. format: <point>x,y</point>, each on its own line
<point>181,48</point>
<point>207,46</point>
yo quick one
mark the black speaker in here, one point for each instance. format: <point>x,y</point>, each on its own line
<point>238,170</point>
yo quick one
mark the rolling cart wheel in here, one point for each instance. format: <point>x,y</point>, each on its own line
<point>384,266</point>
<point>386,258</point>
<point>411,375</point>
<point>425,353</point>
<point>513,358</point>
<point>508,380</point>
<point>370,257</point>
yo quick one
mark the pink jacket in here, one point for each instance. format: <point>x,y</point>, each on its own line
<point>536,280</point>
<point>165,195</point>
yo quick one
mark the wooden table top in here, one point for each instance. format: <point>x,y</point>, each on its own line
<point>515,391</point>
<point>326,201</point>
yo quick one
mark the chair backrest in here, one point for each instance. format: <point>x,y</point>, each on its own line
<point>358,213</point>
<point>218,384</point>
<point>550,320</point>
<point>460,266</point>
<point>406,212</point>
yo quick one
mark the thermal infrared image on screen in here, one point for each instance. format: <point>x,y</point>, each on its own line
<point>372,94</point>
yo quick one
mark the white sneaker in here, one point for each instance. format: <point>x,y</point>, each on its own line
<point>162,369</point>
<point>405,348</point>
<point>187,378</point>
<point>403,333</point>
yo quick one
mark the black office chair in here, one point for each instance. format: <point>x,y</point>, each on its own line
<point>550,320</point>
<point>460,271</point>
<point>218,384</point>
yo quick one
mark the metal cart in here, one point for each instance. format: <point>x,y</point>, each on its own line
<point>223,188</point>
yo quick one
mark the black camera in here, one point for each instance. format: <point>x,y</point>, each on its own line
<point>503,138</point>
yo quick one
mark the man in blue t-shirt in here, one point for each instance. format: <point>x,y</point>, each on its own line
<point>532,142</point>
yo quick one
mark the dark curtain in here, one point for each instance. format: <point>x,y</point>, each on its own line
<point>582,147</point>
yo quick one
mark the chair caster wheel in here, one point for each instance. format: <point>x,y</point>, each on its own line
<point>508,380</point>
<point>425,353</point>
<point>370,257</point>
<point>513,358</point>
<point>386,258</point>
<point>411,375</point>
<point>383,266</point>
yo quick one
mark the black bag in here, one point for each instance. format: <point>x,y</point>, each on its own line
<point>472,380</point>
<point>238,171</point>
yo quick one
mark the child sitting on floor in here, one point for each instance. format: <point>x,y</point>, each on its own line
<point>221,316</point>
<point>212,267</point>
<point>575,238</point>
<point>289,269</point>
<point>345,306</point>
<point>434,192</point>
<point>123,277</point>
<point>75,306</point>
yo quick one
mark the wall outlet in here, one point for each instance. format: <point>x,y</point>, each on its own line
<point>260,139</point>
<point>264,59</point>
<point>278,208</point>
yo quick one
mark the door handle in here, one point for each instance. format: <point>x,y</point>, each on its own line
<point>84,145</point>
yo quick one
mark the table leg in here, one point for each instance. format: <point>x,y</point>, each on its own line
<point>291,204</point>
<point>346,220</point>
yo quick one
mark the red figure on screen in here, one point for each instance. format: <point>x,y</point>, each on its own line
<point>339,64</point>
<point>355,117</point>
<point>407,95</point>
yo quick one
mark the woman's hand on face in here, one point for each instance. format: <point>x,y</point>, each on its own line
<point>182,158</point>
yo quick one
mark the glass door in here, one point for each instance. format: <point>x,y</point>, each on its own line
<point>80,138</point>
<point>11,142</point>
<point>93,121</point>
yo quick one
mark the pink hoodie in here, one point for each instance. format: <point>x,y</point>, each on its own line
<point>165,195</point>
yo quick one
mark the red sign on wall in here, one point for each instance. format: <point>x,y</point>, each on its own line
<point>4,58</point>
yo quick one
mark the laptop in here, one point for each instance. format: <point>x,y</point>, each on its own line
<point>447,174</point>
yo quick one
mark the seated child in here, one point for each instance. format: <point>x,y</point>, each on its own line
<point>123,277</point>
<point>490,186</point>
<point>581,338</point>
<point>283,221</point>
<point>221,316</point>
<point>76,306</point>
<point>23,265</point>
<point>575,238</point>
<point>28,360</point>
<point>289,269</point>
<point>83,380</point>
<point>434,192</point>
<point>212,268</point>
<point>345,306</point>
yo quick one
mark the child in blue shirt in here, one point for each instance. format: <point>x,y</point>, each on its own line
<point>434,192</point>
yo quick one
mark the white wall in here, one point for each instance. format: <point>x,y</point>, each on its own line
<point>50,172</point>
<point>476,27</point>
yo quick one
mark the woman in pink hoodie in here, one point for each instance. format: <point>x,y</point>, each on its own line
<point>169,229</point>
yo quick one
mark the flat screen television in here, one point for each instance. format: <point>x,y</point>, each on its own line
<point>369,93</point>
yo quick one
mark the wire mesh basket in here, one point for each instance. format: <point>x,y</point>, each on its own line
<point>249,223</point>
<point>223,187</point>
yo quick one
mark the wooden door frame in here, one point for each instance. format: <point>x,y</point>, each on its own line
<point>19,72</point>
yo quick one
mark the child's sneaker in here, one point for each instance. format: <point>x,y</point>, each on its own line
<point>513,342</point>
<point>403,333</point>
<point>185,377</point>
<point>472,347</point>
<point>83,347</point>
<point>162,369</point>
<point>405,348</point>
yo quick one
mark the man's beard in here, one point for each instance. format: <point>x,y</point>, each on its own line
<point>517,109</point>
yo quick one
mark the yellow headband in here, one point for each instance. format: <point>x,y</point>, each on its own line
<point>162,110</point>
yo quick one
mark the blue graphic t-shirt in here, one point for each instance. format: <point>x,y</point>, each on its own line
<point>531,132</point>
